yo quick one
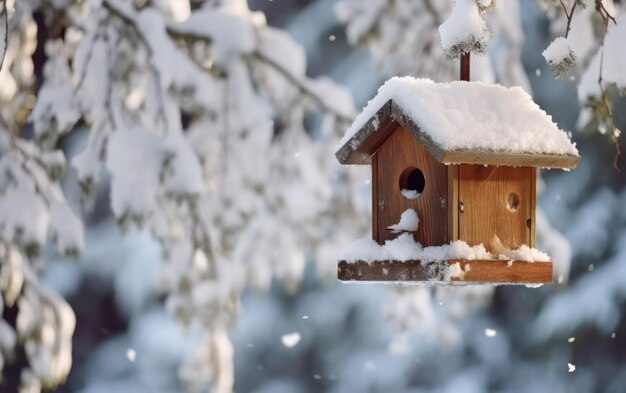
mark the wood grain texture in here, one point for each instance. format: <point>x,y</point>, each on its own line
<point>364,143</point>
<point>533,208</point>
<point>509,159</point>
<point>476,271</point>
<point>398,153</point>
<point>453,203</point>
<point>374,185</point>
<point>486,219</point>
<point>504,271</point>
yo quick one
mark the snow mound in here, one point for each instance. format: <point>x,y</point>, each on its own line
<point>409,222</point>
<point>405,248</point>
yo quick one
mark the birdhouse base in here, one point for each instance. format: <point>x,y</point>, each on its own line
<point>453,271</point>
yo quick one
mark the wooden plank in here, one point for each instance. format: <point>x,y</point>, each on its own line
<point>399,152</point>
<point>360,148</point>
<point>504,271</point>
<point>453,203</point>
<point>510,159</point>
<point>486,217</point>
<point>475,271</point>
<point>390,271</point>
<point>533,208</point>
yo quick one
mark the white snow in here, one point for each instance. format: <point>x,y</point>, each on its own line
<point>409,222</point>
<point>134,192</point>
<point>454,271</point>
<point>571,368</point>
<point>524,253</point>
<point>464,30</point>
<point>365,249</point>
<point>66,229</point>
<point>490,332</point>
<point>405,248</point>
<point>470,116</point>
<point>410,194</point>
<point>131,354</point>
<point>557,51</point>
<point>290,340</point>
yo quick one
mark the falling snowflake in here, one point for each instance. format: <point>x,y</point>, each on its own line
<point>490,332</point>
<point>290,340</point>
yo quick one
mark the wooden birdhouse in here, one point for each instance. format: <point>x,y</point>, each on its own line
<point>457,162</point>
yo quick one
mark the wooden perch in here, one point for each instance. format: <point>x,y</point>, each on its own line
<point>474,271</point>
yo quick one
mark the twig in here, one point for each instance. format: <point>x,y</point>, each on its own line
<point>603,96</point>
<point>24,165</point>
<point>606,16</point>
<point>295,80</point>
<point>306,90</point>
<point>569,15</point>
<point>4,13</point>
<point>83,71</point>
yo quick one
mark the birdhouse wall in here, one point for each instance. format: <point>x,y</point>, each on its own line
<point>496,206</point>
<point>395,162</point>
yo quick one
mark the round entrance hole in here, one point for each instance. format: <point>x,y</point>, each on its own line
<point>512,202</point>
<point>412,182</point>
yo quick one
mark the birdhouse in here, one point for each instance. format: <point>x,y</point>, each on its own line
<point>454,169</point>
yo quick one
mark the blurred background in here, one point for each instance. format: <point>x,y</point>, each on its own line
<point>283,323</point>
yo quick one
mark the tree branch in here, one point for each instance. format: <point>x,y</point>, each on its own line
<point>4,13</point>
<point>294,79</point>
<point>301,85</point>
<point>569,15</point>
<point>129,19</point>
<point>603,96</point>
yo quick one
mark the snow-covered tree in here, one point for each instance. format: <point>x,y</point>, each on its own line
<point>201,118</point>
<point>198,117</point>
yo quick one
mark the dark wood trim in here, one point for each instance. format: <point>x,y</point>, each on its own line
<point>533,208</point>
<point>465,67</point>
<point>476,271</point>
<point>375,192</point>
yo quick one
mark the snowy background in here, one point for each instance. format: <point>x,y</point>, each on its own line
<point>295,329</point>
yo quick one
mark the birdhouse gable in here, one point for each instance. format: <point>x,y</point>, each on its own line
<point>460,123</point>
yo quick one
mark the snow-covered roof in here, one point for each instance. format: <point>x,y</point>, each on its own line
<point>460,122</point>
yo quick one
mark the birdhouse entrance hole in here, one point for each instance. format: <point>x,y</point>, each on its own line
<point>412,179</point>
<point>512,202</point>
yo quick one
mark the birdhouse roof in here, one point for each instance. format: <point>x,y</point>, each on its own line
<point>460,123</point>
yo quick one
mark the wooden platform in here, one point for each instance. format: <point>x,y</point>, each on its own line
<point>473,271</point>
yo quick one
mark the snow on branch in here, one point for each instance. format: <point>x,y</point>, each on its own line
<point>560,56</point>
<point>199,120</point>
<point>465,30</point>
